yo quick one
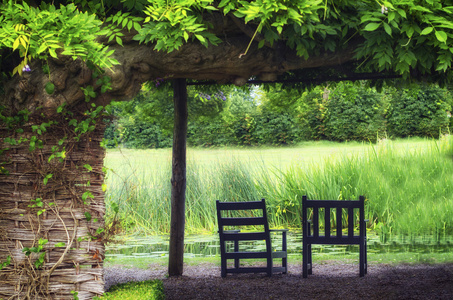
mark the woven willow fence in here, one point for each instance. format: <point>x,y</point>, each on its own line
<point>66,209</point>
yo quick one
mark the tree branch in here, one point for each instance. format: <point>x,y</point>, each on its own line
<point>249,31</point>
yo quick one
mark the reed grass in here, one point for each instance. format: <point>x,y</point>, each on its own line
<point>407,184</point>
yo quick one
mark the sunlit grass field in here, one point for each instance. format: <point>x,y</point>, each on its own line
<point>407,183</point>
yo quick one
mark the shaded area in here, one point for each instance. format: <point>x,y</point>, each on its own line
<point>331,280</point>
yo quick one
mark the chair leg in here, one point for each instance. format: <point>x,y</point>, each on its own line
<point>285,265</point>
<point>310,261</point>
<point>236,249</point>
<point>223,266</point>
<point>269,266</point>
<point>304,259</point>
<point>362,259</point>
<point>366,259</point>
<point>284,248</point>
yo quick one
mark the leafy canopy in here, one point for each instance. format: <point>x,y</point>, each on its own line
<point>399,36</point>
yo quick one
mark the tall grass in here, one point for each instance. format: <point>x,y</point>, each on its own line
<point>408,190</point>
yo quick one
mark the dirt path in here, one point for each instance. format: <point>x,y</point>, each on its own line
<point>331,280</point>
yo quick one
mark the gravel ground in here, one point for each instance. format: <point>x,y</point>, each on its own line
<point>330,280</point>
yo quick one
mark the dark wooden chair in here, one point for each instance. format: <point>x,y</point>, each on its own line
<point>234,216</point>
<point>312,236</point>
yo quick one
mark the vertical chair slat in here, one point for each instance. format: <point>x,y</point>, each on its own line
<point>350,222</point>
<point>315,222</point>
<point>327,221</point>
<point>339,222</point>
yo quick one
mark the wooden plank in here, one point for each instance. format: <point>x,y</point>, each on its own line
<point>333,203</point>
<point>247,270</point>
<point>254,221</point>
<point>241,205</point>
<point>245,236</point>
<point>245,255</point>
<point>332,240</point>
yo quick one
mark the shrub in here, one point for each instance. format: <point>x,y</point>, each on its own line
<point>209,132</point>
<point>243,130</point>
<point>313,117</point>
<point>143,290</point>
<point>142,135</point>
<point>419,112</point>
<point>276,129</point>
<point>354,113</point>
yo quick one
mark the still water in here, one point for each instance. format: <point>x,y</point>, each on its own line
<point>208,245</point>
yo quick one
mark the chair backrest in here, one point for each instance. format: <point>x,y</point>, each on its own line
<point>252,213</point>
<point>327,205</point>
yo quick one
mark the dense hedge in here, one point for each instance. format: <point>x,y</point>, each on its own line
<point>354,113</point>
<point>344,112</point>
<point>419,112</point>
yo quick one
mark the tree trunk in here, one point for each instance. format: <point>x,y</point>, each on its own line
<point>178,180</point>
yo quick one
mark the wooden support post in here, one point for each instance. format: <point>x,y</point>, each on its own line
<point>178,180</point>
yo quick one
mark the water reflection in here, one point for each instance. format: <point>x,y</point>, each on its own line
<point>208,245</point>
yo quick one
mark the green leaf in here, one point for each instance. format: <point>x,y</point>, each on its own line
<point>441,36</point>
<point>53,53</point>
<point>427,30</point>
<point>119,41</point>
<point>41,48</point>
<point>60,244</point>
<point>115,207</point>
<point>388,29</point>
<point>200,38</point>
<point>50,88</point>
<point>46,179</point>
<point>223,3</point>
<point>371,26</point>
<point>88,167</point>
<point>401,12</point>
<point>87,216</point>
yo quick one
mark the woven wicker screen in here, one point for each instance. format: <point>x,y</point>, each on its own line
<point>68,214</point>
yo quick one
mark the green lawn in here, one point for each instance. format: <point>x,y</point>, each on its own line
<point>277,157</point>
